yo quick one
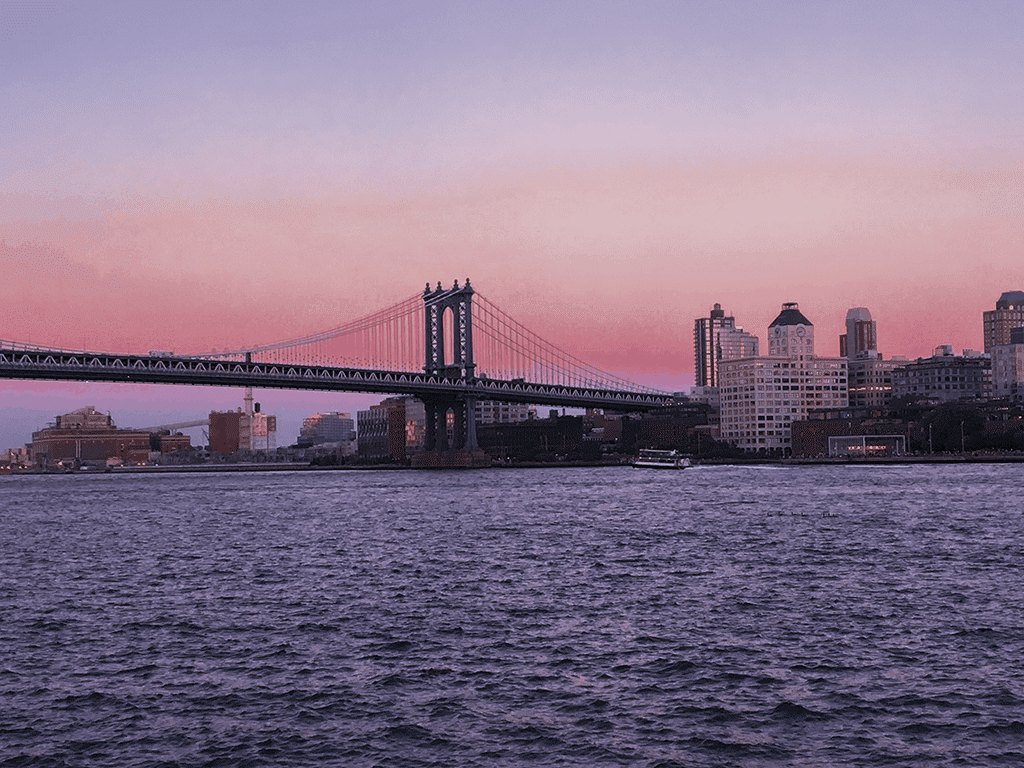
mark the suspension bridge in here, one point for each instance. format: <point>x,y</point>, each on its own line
<point>450,347</point>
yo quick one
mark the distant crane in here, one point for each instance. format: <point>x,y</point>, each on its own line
<point>180,425</point>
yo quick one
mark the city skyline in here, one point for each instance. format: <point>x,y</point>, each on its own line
<point>190,176</point>
<point>192,401</point>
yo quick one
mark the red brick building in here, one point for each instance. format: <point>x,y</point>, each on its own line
<point>87,436</point>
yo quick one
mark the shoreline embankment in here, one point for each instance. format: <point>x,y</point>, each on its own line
<point>942,459</point>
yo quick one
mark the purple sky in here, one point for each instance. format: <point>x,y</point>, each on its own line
<point>311,162</point>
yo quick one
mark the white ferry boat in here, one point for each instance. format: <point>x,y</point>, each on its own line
<point>652,459</point>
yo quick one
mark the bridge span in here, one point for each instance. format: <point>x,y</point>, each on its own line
<point>506,362</point>
<point>54,365</point>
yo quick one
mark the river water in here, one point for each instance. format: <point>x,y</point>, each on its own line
<point>718,616</point>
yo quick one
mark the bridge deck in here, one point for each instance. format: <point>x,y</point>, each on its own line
<point>145,369</point>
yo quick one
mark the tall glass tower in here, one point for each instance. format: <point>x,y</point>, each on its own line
<point>717,338</point>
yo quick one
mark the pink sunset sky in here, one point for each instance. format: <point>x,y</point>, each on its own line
<point>178,175</point>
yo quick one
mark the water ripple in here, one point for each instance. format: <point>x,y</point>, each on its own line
<point>712,617</point>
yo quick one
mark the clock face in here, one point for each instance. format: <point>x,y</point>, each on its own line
<point>800,330</point>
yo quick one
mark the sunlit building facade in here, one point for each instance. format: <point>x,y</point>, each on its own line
<point>264,432</point>
<point>392,430</point>
<point>861,338</point>
<point>323,428</point>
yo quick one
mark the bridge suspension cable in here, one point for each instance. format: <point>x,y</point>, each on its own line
<point>388,339</point>
<point>505,349</point>
<point>395,339</point>
<point>24,346</point>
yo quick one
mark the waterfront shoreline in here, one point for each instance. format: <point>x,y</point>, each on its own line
<point>304,467</point>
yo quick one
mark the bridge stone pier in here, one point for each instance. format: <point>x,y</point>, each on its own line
<point>448,328</point>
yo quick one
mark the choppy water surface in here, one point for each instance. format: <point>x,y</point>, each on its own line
<point>712,617</point>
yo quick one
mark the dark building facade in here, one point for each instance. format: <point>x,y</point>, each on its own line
<point>674,427</point>
<point>225,431</point>
<point>810,436</point>
<point>534,439</point>
<point>392,430</point>
<point>944,377</point>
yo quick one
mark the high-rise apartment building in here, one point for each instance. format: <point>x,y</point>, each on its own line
<point>860,339</point>
<point>762,396</point>
<point>869,382</point>
<point>1008,314</point>
<point>717,338</point>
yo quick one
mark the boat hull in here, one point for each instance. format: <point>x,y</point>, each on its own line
<point>651,459</point>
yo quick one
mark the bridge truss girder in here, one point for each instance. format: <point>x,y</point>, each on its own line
<point>54,365</point>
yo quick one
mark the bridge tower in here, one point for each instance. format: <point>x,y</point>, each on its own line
<point>450,310</point>
<point>437,305</point>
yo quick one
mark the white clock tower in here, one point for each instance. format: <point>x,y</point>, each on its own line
<point>791,334</point>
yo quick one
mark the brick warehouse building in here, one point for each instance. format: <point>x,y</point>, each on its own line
<point>86,435</point>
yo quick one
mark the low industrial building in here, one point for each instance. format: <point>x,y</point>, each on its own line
<point>533,439</point>
<point>845,431</point>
